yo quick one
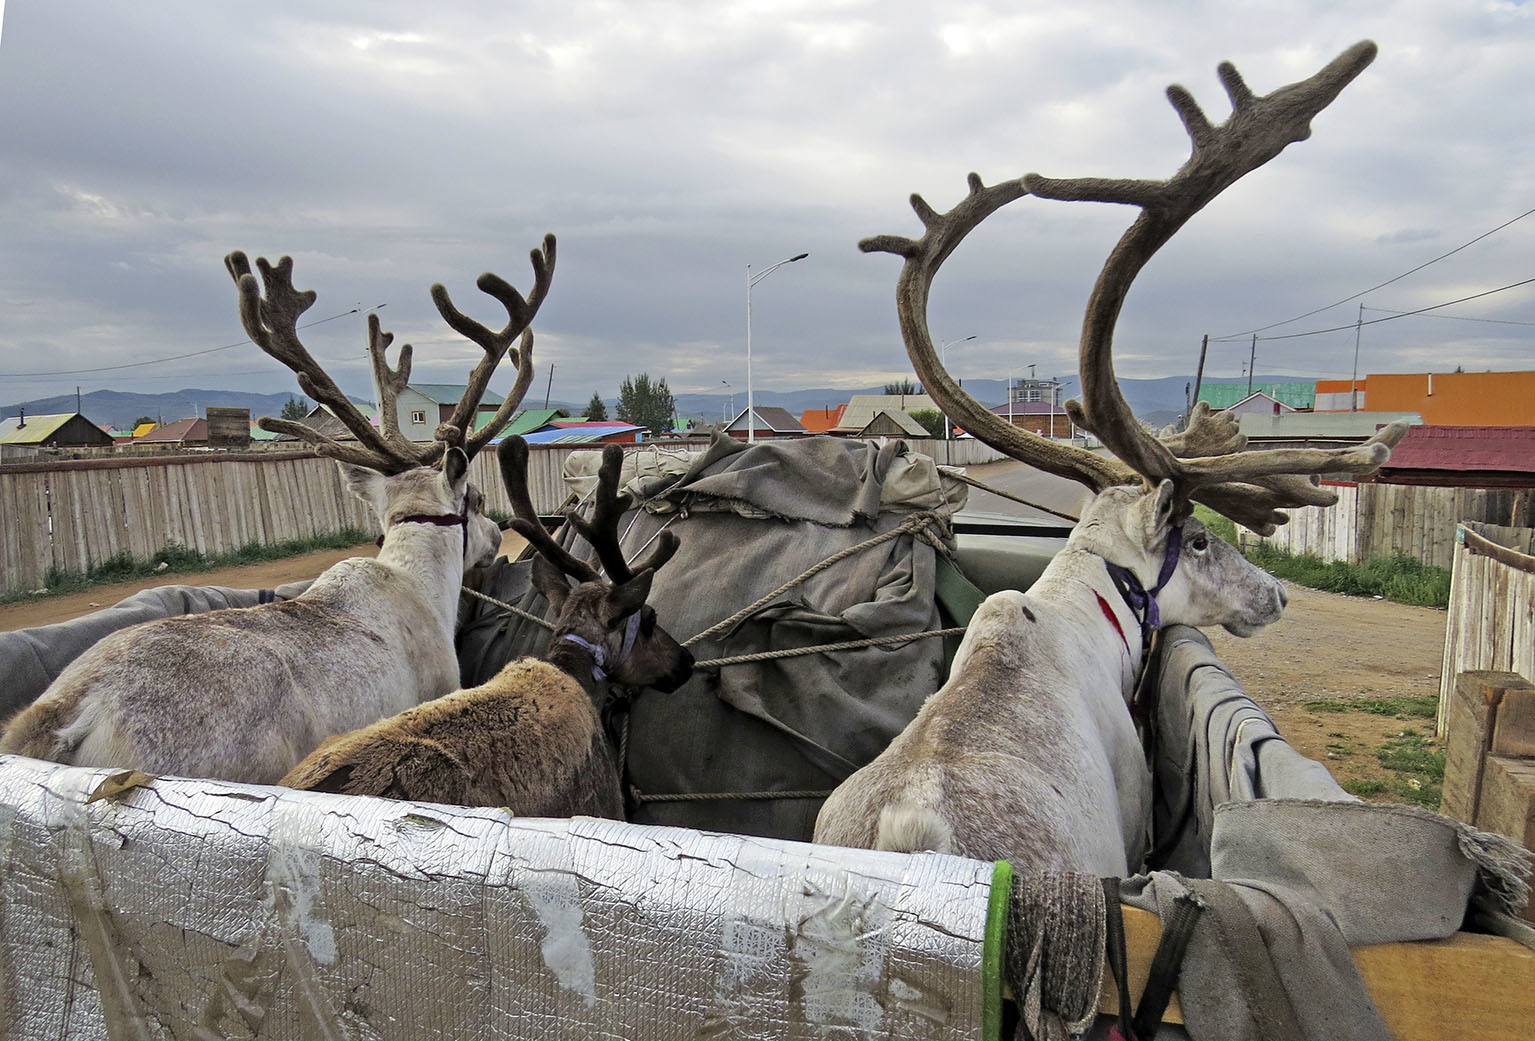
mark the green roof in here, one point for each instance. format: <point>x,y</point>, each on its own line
<point>1224,395</point>
<point>524,422</point>
<point>37,428</point>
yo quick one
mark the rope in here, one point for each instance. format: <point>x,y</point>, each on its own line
<point>915,522</point>
<point>824,648</point>
<point>507,607</point>
<point>1008,495</point>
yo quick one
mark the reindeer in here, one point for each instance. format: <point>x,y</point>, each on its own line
<point>531,738</point>
<point>244,694</point>
<point>1029,751</point>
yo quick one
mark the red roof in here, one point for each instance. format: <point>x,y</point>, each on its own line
<point>1465,448</point>
<point>820,420</point>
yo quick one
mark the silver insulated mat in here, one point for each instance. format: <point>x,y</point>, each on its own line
<point>200,909</point>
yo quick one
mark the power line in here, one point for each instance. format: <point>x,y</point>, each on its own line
<point>1399,314</point>
<point>1452,317</point>
<point>174,357</point>
<point>1356,296</point>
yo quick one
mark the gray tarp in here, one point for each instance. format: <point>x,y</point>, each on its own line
<point>30,659</point>
<point>1308,870</point>
<point>795,724</point>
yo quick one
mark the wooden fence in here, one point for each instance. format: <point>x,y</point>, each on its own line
<point>1382,520</point>
<point>74,515</point>
<point>1491,624</point>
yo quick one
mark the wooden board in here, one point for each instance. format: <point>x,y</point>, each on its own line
<point>1466,988</point>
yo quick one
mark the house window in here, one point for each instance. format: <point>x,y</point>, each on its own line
<point>418,416</point>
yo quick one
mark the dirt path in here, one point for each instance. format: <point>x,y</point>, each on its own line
<point>1326,648</point>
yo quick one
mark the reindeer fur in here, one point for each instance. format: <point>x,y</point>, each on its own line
<point>1028,752</point>
<point>531,738</point>
<point>244,694</point>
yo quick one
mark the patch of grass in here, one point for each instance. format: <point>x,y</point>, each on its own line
<point>1418,763</point>
<point>1364,789</point>
<point>1398,578</point>
<point>1425,707</point>
<point>179,559</point>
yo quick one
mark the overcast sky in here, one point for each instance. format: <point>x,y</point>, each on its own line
<point>388,145</point>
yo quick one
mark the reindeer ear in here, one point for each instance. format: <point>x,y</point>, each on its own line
<point>1163,510</point>
<point>631,595</point>
<point>455,467</point>
<point>367,485</point>
<point>549,581</point>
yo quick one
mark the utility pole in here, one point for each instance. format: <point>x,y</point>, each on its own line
<point>1199,374</point>
<point>549,385</point>
<point>1353,383</point>
<point>1252,360</point>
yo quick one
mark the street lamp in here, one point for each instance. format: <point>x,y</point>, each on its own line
<point>943,353</point>
<point>751,280</point>
<point>730,391</point>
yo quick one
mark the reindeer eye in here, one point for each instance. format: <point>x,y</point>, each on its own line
<point>1200,542</point>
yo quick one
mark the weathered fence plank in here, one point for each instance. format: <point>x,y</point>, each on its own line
<point>1491,623</point>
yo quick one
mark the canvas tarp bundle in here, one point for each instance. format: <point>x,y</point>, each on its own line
<point>751,518</point>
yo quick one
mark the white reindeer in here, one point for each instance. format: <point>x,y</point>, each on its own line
<point>530,738</point>
<point>244,694</point>
<point>1029,751</point>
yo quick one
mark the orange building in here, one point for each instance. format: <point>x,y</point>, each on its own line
<point>1504,399</point>
<point>820,420</point>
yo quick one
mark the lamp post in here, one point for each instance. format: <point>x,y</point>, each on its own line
<point>730,391</point>
<point>943,353</point>
<point>751,280</point>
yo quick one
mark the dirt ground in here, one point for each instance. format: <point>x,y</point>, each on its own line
<point>1326,648</point>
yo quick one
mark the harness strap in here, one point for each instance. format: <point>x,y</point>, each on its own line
<point>1166,965</point>
<point>1114,942</point>
<point>1143,601</point>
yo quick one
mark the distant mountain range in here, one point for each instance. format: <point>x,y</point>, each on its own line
<point>1158,401</point>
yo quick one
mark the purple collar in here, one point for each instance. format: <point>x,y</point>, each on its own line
<point>1142,601</point>
<point>442,520</point>
<point>599,656</point>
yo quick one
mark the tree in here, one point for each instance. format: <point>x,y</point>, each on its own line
<point>595,409</point>
<point>142,420</point>
<point>646,404</point>
<point>903,387</point>
<point>931,420</point>
<point>295,408</point>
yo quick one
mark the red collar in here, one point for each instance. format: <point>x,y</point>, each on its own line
<point>1108,612</point>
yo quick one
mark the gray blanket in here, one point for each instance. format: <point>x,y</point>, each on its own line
<point>1308,870</point>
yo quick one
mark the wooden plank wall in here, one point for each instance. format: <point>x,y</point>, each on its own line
<point>77,514</point>
<point>1491,622</point>
<point>1382,520</point>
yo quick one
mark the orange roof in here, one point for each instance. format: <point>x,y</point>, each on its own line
<point>820,420</point>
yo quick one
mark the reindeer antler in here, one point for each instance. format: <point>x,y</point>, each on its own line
<point>271,320</point>
<point>1249,487</point>
<point>601,531</point>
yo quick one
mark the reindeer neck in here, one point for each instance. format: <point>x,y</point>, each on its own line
<point>579,663</point>
<point>1077,581</point>
<point>432,556</point>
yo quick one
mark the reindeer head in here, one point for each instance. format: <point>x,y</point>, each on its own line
<point>610,619</point>
<point>403,481</point>
<point>1205,463</point>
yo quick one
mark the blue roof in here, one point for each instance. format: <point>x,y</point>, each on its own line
<point>576,435</point>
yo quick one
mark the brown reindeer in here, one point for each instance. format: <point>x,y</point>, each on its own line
<point>1029,752</point>
<point>531,738</point>
<point>244,694</point>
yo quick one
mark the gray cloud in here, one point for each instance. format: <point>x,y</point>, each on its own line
<point>388,145</point>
